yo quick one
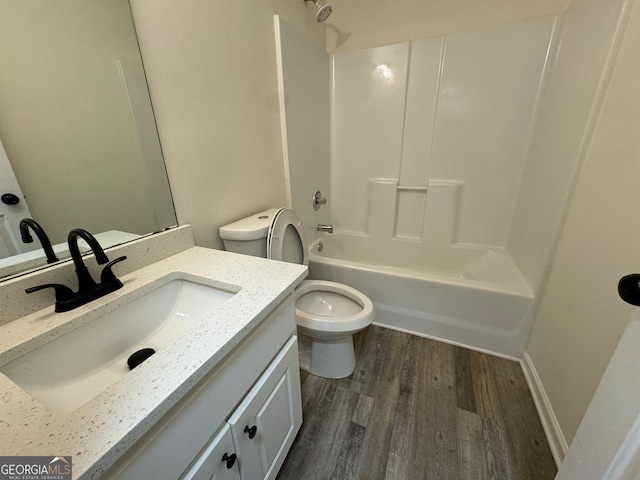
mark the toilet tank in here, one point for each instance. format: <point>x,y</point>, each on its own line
<point>248,235</point>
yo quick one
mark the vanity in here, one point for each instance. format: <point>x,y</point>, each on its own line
<point>221,396</point>
<point>221,393</point>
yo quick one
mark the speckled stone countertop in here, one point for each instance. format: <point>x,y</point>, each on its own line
<point>99,432</point>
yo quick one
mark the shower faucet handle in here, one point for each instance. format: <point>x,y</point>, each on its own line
<point>318,200</point>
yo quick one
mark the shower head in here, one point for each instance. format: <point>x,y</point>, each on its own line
<point>323,11</point>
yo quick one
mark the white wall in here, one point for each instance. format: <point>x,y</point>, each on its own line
<point>212,75</point>
<point>358,24</point>
<point>454,111</point>
<point>305,73</point>
<point>581,317</point>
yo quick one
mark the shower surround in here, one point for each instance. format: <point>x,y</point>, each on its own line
<point>430,153</point>
<point>429,138</point>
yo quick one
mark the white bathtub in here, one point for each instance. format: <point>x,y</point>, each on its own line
<point>471,297</point>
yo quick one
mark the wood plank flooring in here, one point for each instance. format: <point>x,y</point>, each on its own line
<point>419,409</point>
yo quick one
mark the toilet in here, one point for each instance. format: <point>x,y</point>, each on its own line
<point>327,313</point>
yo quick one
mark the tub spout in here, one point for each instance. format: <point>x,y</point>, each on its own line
<point>324,228</point>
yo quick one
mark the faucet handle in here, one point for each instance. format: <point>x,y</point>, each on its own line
<point>318,200</point>
<point>107,276</point>
<point>63,293</point>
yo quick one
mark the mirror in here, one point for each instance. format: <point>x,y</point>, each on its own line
<point>78,141</point>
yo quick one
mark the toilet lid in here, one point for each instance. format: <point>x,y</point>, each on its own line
<point>286,239</point>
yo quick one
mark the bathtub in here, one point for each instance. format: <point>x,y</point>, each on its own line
<point>471,297</point>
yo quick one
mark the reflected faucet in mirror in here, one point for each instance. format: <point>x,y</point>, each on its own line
<point>88,288</point>
<point>27,223</point>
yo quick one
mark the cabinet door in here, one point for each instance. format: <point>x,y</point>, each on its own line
<point>266,422</point>
<point>218,461</point>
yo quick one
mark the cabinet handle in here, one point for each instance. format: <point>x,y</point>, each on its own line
<point>251,431</point>
<point>230,459</point>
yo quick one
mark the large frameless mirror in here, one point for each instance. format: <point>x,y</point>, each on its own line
<point>78,140</point>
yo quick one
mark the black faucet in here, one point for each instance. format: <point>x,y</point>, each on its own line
<point>88,289</point>
<point>25,223</point>
<point>86,283</point>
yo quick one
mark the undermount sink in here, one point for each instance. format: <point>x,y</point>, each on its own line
<point>72,369</point>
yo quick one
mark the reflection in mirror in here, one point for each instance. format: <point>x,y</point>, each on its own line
<point>78,141</point>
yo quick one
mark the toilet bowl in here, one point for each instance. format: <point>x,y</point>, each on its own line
<point>327,313</point>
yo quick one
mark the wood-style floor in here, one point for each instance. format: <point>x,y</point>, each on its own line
<point>418,409</point>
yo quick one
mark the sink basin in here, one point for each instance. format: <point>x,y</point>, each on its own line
<point>72,369</point>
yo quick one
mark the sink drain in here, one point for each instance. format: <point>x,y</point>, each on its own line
<point>138,357</point>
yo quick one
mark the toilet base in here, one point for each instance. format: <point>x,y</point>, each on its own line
<point>326,358</point>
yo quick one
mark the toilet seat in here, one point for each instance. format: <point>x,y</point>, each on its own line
<point>338,324</point>
<point>286,240</point>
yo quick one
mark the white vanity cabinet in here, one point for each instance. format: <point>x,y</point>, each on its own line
<point>262,428</point>
<point>238,423</point>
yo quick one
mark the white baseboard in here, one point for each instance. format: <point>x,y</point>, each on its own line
<point>556,439</point>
